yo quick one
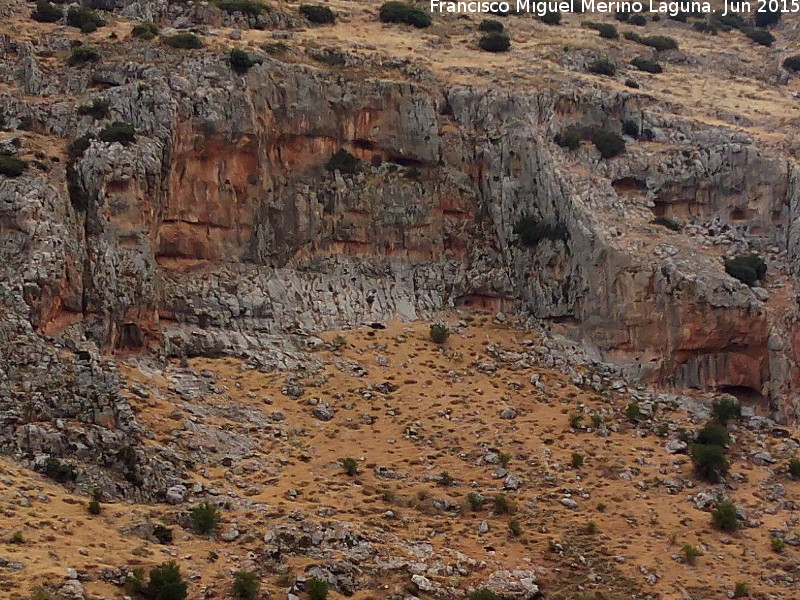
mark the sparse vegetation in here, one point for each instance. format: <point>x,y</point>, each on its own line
<point>349,466</point>
<point>484,594</point>
<point>12,166</point>
<point>439,332</point>
<point>503,505</point>
<point>747,268</point>
<point>668,222</point>
<point>145,30</point>
<point>515,527</point>
<point>317,588</point>
<point>119,132</point>
<point>590,528</point>
<point>476,501</point>
<point>530,231</point>
<point>344,162</point>
<point>495,42</point>
<point>724,518</point>
<point>246,584</point>
<point>691,553</point>
<point>205,518</point>
<point>608,143</point>
<point>80,55</point>
<point>94,507</point>
<point>84,19</point>
<point>98,109</point>
<point>317,13</point>
<point>401,12</point>
<point>575,420</point>
<point>45,12</point>
<point>184,40</point>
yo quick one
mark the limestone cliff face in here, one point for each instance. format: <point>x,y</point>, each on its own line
<point>221,226</point>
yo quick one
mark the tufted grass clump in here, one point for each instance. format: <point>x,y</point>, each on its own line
<point>318,14</point>
<point>402,12</point>
<point>45,12</point>
<point>81,55</point>
<point>145,30</point>
<point>747,268</point>
<point>690,553</point>
<point>724,518</point>
<point>12,166</point>
<point>185,40</point>
<point>495,42</point>
<point>205,518</point>
<point>475,501</point>
<point>84,19</point>
<point>503,505</point>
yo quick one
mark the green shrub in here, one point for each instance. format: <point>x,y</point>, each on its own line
<point>515,527</point>
<point>81,55</point>
<point>317,588</point>
<point>575,420</point>
<point>247,7</point>
<point>491,26</point>
<point>741,590</point>
<point>330,58</point>
<point>726,407</point>
<point>275,48</point>
<point>602,66</point>
<point>59,471</point>
<point>713,434</point>
<point>166,583</point>
<point>241,62</point>
<point>17,538</point>
<point>78,146</point>
<point>630,128</point>
<point>632,36</point>
<point>709,462</point>
<point>606,30</point>
<point>794,468</point>
<point>551,18</point>
<point>504,458</point>
<point>12,166</point>
<point>94,507</point>
<point>632,83</point>
<point>98,109</point>
<point>162,534</point>
<point>729,21</point>
<point>724,518</point>
<point>590,527</point>
<point>747,268</point>
<point>531,231</point>
<point>84,19</point>
<point>660,42</point>
<point>445,479</point>
<point>622,16</point>
<point>205,518</point>
<point>577,460</point>
<point>639,20</point>
<point>344,162</point>
<point>647,65</point>
<point>767,17</point>
<point>777,545</point>
<point>792,63</point>
<point>120,132</point>
<point>705,27</point>
<point>145,30</point>
<point>608,143</point>
<point>400,12</point>
<point>318,14</point>
<point>349,465</point>
<point>246,584</point>
<point>476,501</point>
<point>760,36</point>
<point>184,41</point>
<point>503,505</point>
<point>439,332</point>
<point>690,553</point>
<point>45,12</point>
<point>134,582</point>
<point>569,138</point>
<point>484,594</point>
<point>495,42</point>
<point>633,411</point>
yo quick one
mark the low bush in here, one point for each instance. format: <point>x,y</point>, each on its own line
<point>794,468</point>
<point>166,583</point>
<point>725,408</point>
<point>606,30</point>
<point>503,505</point>
<point>495,42</point>
<point>602,66</point>
<point>81,55</point>
<point>660,42</point>
<point>401,12</point>
<point>275,48</point>
<point>767,17</point>
<point>632,83</point>
<point>551,18</point>
<point>184,41</point>
<point>713,434</point>
<point>741,589</point>
<point>317,588</point>
<point>760,36</point>
<point>45,12</point>
<point>668,222</point>
<point>647,65</point>
<point>94,507</point>
<point>633,411</point>
<point>445,479</point>
<point>344,162</point>
<point>608,143</point>
<point>577,460</point>
<point>515,527</point>
<point>98,109</point>
<point>638,20</point>
<point>439,332</point>
<point>569,138</point>
<point>349,466</point>
<point>246,584</point>
<point>240,61</point>
<point>747,268</point>
<point>491,26</point>
<point>247,7</point>
<point>119,132</point>
<point>476,501</point>
<point>61,472</point>
<point>205,518</point>
<point>317,14</point>
<point>530,231</point>
<point>84,19</point>
<point>778,545</point>
<point>724,518</point>
<point>576,420</point>
<point>690,553</point>
<point>709,462</point>
<point>17,538</point>
<point>630,128</point>
<point>162,534</point>
<point>792,63</point>
<point>145,30</point>
<point>484,594</point>
<point>12,166</point>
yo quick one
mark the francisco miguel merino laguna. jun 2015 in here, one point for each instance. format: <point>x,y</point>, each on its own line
<point>543,7</point>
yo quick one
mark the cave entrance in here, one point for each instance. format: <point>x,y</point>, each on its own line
<point>130,336</point>
<point>628,185</point>
<point>747,396</point>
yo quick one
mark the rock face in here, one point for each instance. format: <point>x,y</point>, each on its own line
<point>220,225</point>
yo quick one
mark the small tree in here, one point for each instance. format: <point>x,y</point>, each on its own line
<point>317,588</point>
<point>495,42</point>
<point>166,583</point>
<point>726,407</point>
<point>714,434</point>
<point>439,333</point>
<point>246,584</point>
<point>205,518</point>
<point>724,517</point>
<point>709,462</point>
